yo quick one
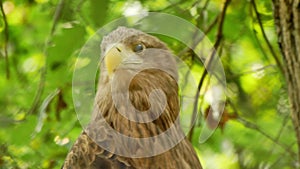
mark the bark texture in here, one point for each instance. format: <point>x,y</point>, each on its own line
<point>287,20</point>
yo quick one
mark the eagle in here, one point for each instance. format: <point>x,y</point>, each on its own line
<point>136,104</point>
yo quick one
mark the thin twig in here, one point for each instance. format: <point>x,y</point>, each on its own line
<point>202,101</point>
<point>5,40</point>
<point>259,44</point>
<point>208,63</point>
<point>57,15</point>
<point>170,6</point>
<point>201,19</point>
<point>256,128</point>
<point>265,36</point>
<point>280,156</point>
<point>280,131</point>
<point>253,71</point>
<point>197,41</point>
<point>253,126</point>
<point>205,4</point>
<point>41,85</point>
<point>79,13</point>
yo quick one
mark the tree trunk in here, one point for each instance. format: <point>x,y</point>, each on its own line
<point>287,20</point>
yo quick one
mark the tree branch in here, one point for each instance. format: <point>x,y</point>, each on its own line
<point>5,40</point>
<point>265,36</point>
<point>280,157</point>
<point>197,41</point>
<point>287,20</point>
<point>253,126</point>
<point>41,85</point>
<point>208,63</point>
<point>252,71</point>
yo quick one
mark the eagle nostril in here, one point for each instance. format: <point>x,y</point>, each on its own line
<point>118,49</point>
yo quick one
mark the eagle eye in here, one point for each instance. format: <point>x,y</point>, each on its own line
<point>139,48</point>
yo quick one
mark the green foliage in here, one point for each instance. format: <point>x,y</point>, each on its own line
<point>38,120</point>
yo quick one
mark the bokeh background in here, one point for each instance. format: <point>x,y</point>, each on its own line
<point>41,39</point>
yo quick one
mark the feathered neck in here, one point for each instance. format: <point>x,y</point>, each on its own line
<point>139,92</point>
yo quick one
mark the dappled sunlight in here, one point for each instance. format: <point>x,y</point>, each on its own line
<point>245,118</point>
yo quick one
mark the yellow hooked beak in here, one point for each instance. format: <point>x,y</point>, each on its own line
<point>114,57</point>
<point>118,54</point>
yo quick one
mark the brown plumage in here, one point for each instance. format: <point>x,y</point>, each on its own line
<point>145,64</point>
